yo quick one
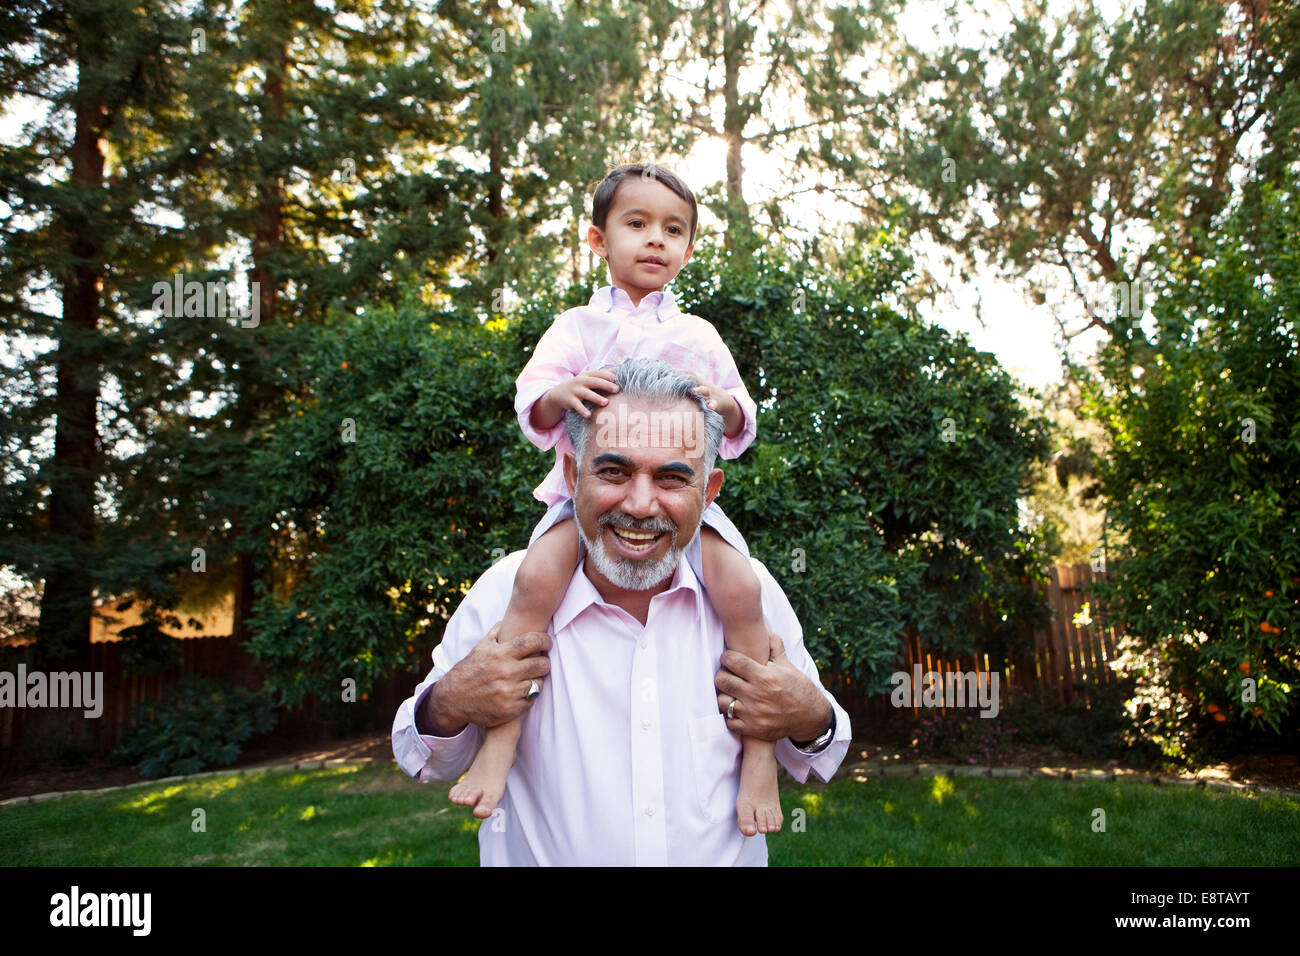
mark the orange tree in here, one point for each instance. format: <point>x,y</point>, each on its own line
<point>1203,482</point>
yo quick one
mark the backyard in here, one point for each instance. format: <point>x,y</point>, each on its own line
<point>374,815</point>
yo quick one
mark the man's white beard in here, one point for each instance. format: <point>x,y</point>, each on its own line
<point>627,574</point>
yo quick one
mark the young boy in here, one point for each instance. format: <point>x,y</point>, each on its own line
<point>644,221</point>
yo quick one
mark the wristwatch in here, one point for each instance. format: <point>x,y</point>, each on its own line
<point>820,743</point>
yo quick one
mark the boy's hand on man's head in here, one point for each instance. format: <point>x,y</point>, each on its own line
<point>551,407</point>
<point>721,402</point>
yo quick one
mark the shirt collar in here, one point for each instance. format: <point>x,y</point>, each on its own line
<point>581,593</point>
<point>614,300</point>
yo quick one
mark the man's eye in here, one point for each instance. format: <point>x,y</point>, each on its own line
<point>674,480</point>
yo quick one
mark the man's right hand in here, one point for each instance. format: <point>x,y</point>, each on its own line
<point>489,686</point>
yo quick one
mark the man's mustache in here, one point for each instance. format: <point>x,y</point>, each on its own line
<point>635,524</point>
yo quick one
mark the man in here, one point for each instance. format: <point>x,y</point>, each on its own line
<point>630,755</point>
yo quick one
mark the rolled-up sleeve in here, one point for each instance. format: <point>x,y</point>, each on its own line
<point>428,758</point>
<point>781,618</point>
<point>425,757</point>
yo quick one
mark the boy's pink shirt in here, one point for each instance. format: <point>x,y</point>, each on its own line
<point>604,332</point>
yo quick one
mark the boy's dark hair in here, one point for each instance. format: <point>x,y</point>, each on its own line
<point>608,188</point>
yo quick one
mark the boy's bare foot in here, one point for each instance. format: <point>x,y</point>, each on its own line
<point>485,782</point>
<point>758,806</point>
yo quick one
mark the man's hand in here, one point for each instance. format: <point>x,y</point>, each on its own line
<point>773,700</point>
<point>489,686</point>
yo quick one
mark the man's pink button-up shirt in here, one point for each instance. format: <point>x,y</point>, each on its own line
<point>624,759</point>
<point>607,330</point>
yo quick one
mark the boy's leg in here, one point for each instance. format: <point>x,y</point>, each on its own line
<point>539,587</point>
<point>737,597</point>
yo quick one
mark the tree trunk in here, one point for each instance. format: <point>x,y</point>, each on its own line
<point>268,240</point>
<point>68,599</point>
<point>733,129</point>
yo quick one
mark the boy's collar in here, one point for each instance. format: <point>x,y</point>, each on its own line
<point>610,299</point>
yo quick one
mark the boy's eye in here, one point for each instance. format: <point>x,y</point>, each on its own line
<point>634,222</point>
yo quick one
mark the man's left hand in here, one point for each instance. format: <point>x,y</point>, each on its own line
<point>773,700</point>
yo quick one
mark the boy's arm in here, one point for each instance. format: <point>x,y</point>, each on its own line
<point>728,379</point>
<point>558,357</point>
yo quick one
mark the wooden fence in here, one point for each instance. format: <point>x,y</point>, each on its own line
<point>1069,655</point>
<point>1066,658</point>
<point>207,656</point>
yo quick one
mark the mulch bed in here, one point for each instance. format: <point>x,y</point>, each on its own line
<point>1262,770</point>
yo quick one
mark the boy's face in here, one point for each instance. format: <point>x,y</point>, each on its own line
<point>646,239</point>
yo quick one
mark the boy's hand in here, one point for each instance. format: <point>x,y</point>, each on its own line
<point>551,407</point>
<point>726,406</point>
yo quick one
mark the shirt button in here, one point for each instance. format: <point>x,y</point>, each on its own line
<point>649,811</point>
<point>645,725</point>
<point>643,643</point>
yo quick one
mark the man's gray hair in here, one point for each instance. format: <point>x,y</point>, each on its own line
<point>659,383</point>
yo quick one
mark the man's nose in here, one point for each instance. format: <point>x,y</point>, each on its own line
<point>640,500</point>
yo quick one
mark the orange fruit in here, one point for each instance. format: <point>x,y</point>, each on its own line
<point>1244,667</point>
<point>1268,594</point>
<point>1258,711</point>
<point>1213,708</point>
<point>345,365</point>
<point>1221,718</point>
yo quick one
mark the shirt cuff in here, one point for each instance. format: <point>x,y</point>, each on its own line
<point>731,448</point>
<point>526,397</point>
<point>826,762</point>
<point>428,758</point>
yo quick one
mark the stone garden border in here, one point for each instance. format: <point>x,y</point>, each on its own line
<point>860,772</point>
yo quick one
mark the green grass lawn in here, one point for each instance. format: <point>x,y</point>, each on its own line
<point>377,816</point>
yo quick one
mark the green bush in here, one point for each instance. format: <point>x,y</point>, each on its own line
<point>882,490</point>
<point>148,650</point>
<point>965,736</point>
<point>198,723</point>
<point>1094,726</point>
<point>1201,484</point>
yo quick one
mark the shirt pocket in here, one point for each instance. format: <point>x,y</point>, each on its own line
<point>715,758</point>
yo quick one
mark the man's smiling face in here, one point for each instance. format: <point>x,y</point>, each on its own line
<point>638,500</point>
<point>646,238</point>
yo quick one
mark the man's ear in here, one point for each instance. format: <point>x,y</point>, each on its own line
<point>596,239</point>
<point>713,486</point>
<point>571,474</point>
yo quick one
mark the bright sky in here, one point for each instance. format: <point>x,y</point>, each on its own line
<point>992,313</point>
